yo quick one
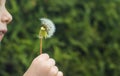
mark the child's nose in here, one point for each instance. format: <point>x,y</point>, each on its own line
<point>6,17</point>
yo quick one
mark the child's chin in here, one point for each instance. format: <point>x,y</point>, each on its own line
<point>1,37</point>
<point>0,40</point>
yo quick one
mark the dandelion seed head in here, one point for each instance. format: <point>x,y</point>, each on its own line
<point>49,26</point>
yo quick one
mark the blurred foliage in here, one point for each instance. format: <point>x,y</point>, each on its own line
<point>86,42</point>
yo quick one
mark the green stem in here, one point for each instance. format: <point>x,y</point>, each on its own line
<point>40,45</point>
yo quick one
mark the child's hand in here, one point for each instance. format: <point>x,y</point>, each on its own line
<point>43,66</point>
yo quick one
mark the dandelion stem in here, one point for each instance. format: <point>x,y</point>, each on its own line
<point>41,45</point>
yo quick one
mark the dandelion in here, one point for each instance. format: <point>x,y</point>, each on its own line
<point>47,30</point>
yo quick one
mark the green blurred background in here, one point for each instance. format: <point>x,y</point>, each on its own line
<point>86,41</point>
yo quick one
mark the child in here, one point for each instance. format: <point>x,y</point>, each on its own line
<point>41,65</point>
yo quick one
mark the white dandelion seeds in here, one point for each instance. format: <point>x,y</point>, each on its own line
<point>49,26</point>
<point>46,30</point>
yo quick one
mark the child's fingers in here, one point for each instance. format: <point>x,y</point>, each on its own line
<point>59,73</point>
<point>46,66</point>
<point>43,65</point>
<point>41,58</point>
<point>53,71</point>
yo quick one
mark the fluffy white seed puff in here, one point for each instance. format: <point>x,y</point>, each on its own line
<point>49,26</point>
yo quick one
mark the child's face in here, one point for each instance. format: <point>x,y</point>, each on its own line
<point>5,18</point>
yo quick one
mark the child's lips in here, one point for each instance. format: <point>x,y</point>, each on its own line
<point>2,33</point>
<point>1,36</point>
